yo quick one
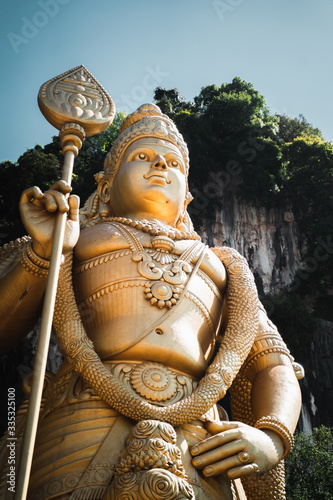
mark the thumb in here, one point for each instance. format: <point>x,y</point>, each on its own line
<point>74,205</point>
<point>214,427</point>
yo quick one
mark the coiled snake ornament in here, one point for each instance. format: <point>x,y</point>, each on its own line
<point>243,306</point>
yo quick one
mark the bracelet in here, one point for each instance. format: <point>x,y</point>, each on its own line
<point>275,425</point>
<point>44,264</point>
<point>34,264</point>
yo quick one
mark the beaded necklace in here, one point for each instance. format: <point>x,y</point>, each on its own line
<point>155,228</point>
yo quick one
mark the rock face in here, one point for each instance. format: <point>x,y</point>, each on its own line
<point>320,374</point>
<point>268,238</point>
<point>270,241</point>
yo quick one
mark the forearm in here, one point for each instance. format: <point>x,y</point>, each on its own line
<point>20,298</point>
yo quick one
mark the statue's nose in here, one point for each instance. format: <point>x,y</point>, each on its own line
<point>159,163</point>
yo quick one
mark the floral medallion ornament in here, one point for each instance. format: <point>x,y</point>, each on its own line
<point>167,280</point>
<point>154,381</point>
<point>162,294</point>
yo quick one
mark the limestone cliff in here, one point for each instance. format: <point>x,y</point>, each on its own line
<point>272,244</point>
<point>268,238</point>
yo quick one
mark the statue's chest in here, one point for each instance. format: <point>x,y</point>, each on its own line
<point>161,267</point>
<point>163,275</point>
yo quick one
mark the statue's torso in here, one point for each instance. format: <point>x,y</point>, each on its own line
<point>116,277</point>
<point>111,273</point>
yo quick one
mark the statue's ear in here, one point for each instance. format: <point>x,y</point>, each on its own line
<point>104,197</point>
<point>103,190</point>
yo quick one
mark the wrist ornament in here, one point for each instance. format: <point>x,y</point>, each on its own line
<point>275,425</point>
<point>34,264</point>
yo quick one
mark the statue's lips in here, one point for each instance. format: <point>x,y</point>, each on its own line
<point>158,176</point>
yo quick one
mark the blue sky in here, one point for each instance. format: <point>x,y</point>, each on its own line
<point>284,48</point>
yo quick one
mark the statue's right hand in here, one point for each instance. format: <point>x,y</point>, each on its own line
<point>38,213</point>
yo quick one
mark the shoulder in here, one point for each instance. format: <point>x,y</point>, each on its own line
<point>97,240</point>
<point>236,265</point>
<point>229,256</point>
<point>215,269</point>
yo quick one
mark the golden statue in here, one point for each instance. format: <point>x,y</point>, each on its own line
<point>132,412</point>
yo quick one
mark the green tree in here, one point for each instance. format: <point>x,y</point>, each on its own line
<point>230,132</point>
<point>308,181</point>
<point>290,128</point>
<point>309,468</point>
<point>170,101</point>
<point>308,186</point>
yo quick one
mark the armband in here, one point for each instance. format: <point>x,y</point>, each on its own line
<point>267,344</point>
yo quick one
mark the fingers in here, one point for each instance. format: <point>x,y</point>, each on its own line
<point>52,200</point>
<point>220,467</point>
<point>226,460</point>
<point>229,465</point>
<point>55,197</point>
<point>223,452</point>
<point>74,205</point>
<point>229,450</point>
<point>55,201</point>
<point>218,440</point>
<point>31,195</point>
<point>62,187</point>
<point>213,426</point>
<point>243,471</point>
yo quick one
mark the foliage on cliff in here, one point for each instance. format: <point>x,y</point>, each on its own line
<point>229,131</point>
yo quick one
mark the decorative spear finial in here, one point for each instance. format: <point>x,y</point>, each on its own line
<point>76,97</point>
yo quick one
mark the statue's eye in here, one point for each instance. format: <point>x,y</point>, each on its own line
<point>174,164</point>
<point>141,156</point>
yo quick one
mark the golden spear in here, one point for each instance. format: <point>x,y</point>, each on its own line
<point>77,105</point>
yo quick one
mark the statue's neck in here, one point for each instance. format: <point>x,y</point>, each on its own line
<point>154,227</point>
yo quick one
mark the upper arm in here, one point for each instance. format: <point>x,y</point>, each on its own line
<point>268,349</point>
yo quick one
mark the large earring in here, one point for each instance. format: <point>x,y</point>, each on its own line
<point>183,222</point>
<point>104,210</point>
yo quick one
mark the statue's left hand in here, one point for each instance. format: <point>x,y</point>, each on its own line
<point>237,449</point>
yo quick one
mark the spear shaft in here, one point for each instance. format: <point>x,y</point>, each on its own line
<point>43,340</point>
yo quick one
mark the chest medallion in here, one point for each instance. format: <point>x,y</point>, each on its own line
<point>166,273</point>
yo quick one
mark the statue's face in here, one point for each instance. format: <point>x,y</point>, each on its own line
<point>150,182</point>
